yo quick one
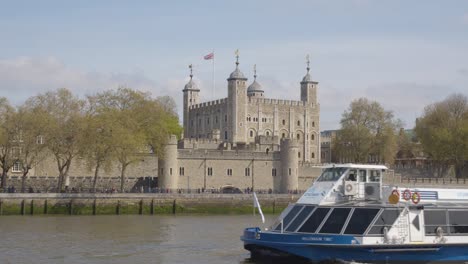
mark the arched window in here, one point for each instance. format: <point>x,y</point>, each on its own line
<point>313,155</point>
<point>283,135</point>
<point>284,122</point>
<point>225,135</point>
<point>251,133</point>
<point>313,123</point>
<point>298,136</point>
<point>298,122</point>
<point>268,133</point>
<point>267,151</point>
<point>312,136</point>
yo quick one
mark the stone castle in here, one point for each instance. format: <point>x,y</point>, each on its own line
<point>245,140</point>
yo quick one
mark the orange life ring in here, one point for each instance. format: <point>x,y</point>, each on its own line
<point>416,197</point>
<point>396,192</point>
<point>407,195</point>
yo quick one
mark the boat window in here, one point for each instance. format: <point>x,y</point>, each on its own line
<point>360,220</point>
<point>374,175</point>
<point>287,219</point>
<point>300,218</point>
<point>331,174</point>
<point>351,175</point>
<point>385,219</point>
<point>335,221</point>
<point>362,175</point>
<point>314,220</point>
<point>434,219</point>
<point>458,221</point>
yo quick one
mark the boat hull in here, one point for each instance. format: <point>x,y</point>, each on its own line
<point>281,246</point>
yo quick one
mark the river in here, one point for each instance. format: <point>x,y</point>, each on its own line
<point>125,239</point>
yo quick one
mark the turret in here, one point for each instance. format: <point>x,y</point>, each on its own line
<point>289,165</point>
<point>237,105</point>
<point>308,87</point>
<point>168,165</point>
<point>191,97</point>
<point>255,89</point>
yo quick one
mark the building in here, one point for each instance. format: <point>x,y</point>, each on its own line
<point>245,141</point>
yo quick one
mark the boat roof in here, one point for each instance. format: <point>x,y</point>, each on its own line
<point>353,165</point>
<point>380,204</point>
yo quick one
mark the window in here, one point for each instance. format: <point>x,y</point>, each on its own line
<point>335,221</point>
<point>181,171</point>
<point>268,133</point>
<point>362,175</point>
<point>434,219</point>
<point>300,218</point>
<point>299,154</point>
<point>458,221</point>
<point>313,123</point>
<point>16,167</point>
<point>384,220</point>
<point>229,172</point>
<point>161,171</point>
<point>216,119</point>
<point>360,220</point>
<point>312,137</point>
<point>247,171</point>
<point>289,171</point>
<point>331,174</point>
<point>284,122</point>
<point>314,221</point>
<point>225,135</point>
<point>313,155</point>
<point>298,122</point>
<point>170,171</point>
<point>283,135</point>
<point>273,172</point>
<point>287,219</point>
<point>210,171</point>
<point>251,133</point>
<point>40,140</point>
<point>298,136</point>
<point>374,175</point>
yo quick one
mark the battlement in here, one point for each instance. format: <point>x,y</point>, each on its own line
<point>202,143</point>
<point>269,101</point>
<point>227,154</point>
<point>209,104</point>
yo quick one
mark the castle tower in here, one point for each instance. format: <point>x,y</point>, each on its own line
<point>309,87</point>
<point>168,166</point>
<point>289,165</point>
<point>255,89</point>
<point>237,106</point>
<point>191,97</point>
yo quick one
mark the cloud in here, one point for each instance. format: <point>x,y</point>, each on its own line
<point>23,77</point>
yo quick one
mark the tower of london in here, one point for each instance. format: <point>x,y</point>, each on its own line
<point>246,140</point>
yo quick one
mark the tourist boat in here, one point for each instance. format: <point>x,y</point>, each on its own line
<point>349,215</point>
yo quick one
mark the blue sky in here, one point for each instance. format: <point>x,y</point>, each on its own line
<point>404,54</point>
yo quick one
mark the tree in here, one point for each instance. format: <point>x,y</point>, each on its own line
<point>33,149</point>
<point>368,133</point>
<point>63,118</point>
<point>443,132</point>
<point>9,138</point>
<point>140,124</point>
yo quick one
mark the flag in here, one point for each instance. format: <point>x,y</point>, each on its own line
<point>257,204</point>
<point>209,56</point>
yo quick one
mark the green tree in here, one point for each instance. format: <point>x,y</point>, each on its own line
<point>33,149</point>
<point>140,124</point>
<point>10,137</point>
<point>368,133</point>
<point>443,132</point>
<point>64,124</point>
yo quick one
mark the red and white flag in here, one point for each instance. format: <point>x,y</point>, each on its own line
<point>209,56</point>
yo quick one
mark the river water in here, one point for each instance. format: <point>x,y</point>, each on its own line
<point>125,239</point>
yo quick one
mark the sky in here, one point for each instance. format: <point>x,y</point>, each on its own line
<point>402,54</point>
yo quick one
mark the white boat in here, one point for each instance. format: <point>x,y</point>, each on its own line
<point>349,215</point>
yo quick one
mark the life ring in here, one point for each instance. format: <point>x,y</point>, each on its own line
<point>396,192</point>
<point>349,187</point>
<point>407,195</point>
<point>416,197</point>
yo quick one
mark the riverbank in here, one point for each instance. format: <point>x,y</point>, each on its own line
<point>143,204</point>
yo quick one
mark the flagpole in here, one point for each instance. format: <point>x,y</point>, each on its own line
<point>214,95</point>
